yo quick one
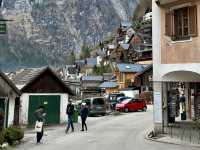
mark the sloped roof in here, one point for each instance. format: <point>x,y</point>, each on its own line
<point>10,83</point>
<point>80,61</point>
<point>125,46</point>
<point>126,24</point>
<point>22,77</point>
<point>92,78</point>
<point>131,67</point>
<point>149,67</point>
<point>109,85</point>
<point>50,71</point>
<point>91,61</point>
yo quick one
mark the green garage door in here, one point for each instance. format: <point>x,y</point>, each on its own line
<point>52,108</point>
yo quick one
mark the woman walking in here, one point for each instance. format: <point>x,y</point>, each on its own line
<point>40,115</point>
<point>84,114</point>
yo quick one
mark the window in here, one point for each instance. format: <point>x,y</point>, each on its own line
<point>3,27</point>
<point>122,77</point>
<point>98,101</point>
<point>181,24</point>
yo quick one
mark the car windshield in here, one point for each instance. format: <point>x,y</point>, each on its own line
<point>98,101</point>
<point>123,98</point>
<point>126,101</point>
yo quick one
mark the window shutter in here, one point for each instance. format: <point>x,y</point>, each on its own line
<point>193,21</point>
<point>168,24</point>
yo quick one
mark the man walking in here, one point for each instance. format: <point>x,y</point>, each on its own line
<point>69,112</point>
<point>84,114</point>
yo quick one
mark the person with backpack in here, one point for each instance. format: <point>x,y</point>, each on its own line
<point>69,112</point>
<point>84,114</point>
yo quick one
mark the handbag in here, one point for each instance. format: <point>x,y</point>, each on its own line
<point>38,126</point>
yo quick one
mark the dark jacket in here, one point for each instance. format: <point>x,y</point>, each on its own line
<point>70,109</point>
<point>84,112</point>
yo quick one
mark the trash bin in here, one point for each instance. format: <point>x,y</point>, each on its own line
<point>75,116</point>
<point>183,116</point>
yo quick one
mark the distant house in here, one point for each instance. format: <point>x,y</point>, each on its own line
<point>125,74</point>
<point>80,64</point>
<point>90,85</point>
<point>75,86</point>
<point>42,87</point>
<point>71,72</point>
<point>109,87</point>
<point>90,64</point>
<point>9,102</point>
<point>144,79</point>
<point>125,25</point>
<point>108,76</point>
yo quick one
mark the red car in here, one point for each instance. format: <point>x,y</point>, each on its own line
<point>131,105</point>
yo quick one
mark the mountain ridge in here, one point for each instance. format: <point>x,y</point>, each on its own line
<point>44,32</point>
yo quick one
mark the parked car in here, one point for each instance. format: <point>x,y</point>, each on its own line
<point>120,99</point>
<point>131,104</point>
<point>112,98</point>
<point>96,105</point>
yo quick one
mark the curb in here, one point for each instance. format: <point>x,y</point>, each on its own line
<point>166,142</point>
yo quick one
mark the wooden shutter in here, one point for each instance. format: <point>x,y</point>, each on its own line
<point>193,21</point>
<point>168,24</point>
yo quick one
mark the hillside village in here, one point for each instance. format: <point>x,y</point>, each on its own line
<point>121,64</point>
<point>140,86</point>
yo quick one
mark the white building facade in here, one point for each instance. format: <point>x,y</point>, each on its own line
<point>176,65</point>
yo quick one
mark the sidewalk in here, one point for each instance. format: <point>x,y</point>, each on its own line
<point>165,138</point>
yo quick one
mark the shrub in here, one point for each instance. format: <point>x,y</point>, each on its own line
<point>13,134</point>
<point>2,135</point>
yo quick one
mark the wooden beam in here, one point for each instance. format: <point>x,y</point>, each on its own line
<point>171,3</point>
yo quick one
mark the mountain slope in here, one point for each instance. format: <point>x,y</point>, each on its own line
<point>44,32</point>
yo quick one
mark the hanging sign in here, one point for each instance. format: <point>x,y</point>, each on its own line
<point>157,107</point>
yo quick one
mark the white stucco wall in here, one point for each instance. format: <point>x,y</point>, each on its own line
<point>11,110</point>
<point>187,72</point>
<point>160,70</point>
<point>63,106</point>
<point>25,105</point>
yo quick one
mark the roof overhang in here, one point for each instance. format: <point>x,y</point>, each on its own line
<point>181,76</point>
<point>170,3</point>
<point>165,2</point>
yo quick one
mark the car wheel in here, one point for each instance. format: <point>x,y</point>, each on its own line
<point>145,108</point>
<point>126,110</point>
<point>103,114</point>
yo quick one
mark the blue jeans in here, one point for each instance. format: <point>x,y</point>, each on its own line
<point>70,122</point>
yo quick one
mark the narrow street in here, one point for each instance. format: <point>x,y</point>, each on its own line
<point>123,132</point>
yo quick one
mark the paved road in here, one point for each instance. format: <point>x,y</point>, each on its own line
<point>124,132</point>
